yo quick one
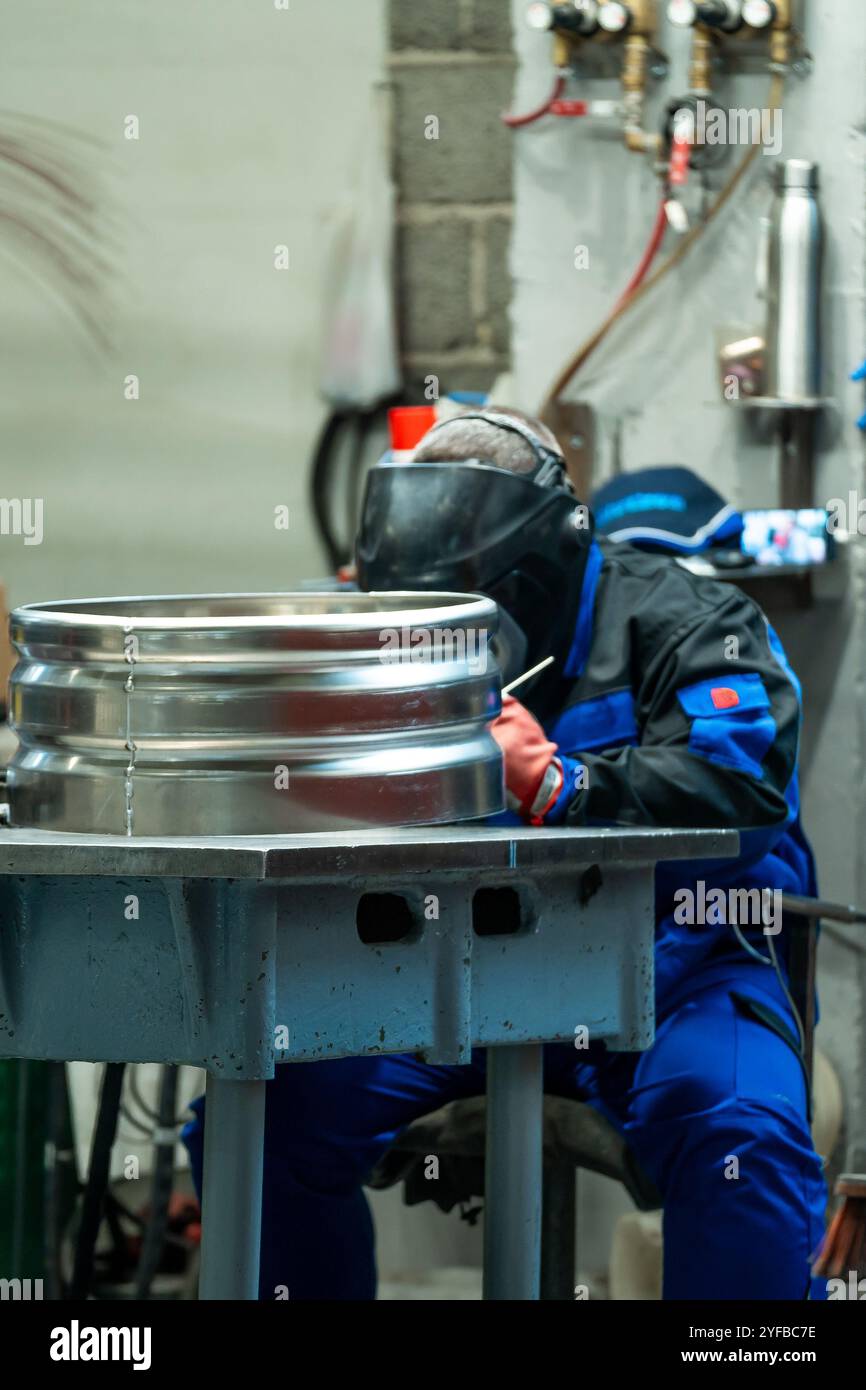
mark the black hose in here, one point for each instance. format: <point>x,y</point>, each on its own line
<point>365,422</point>
<point>163,1175</point>
<point>58,1177</point>
<point>22,1172</point>
<point>97,1178</point>
<point>147,1109</point>
<point>360,422</point>
<point>135,1123</point>
<point>320,486</point>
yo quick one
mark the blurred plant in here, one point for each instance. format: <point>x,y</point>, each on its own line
<point>52,218</point>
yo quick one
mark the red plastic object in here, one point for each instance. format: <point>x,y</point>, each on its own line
<point>407,425</point>
<point>681,152</point>
<point>723,697</point>
<point>569,106</point>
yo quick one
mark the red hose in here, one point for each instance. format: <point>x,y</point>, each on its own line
<point>527,117</point>
<point>649,255</point>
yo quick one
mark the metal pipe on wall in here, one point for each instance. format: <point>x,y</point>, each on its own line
<point>793,364</point>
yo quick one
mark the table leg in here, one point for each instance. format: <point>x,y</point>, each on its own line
<point>512,1204</point>
<point>232,1189</point>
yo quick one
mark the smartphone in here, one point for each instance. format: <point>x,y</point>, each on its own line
<point>783,537</point>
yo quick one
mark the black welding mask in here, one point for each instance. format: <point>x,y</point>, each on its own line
<point>472,527</point>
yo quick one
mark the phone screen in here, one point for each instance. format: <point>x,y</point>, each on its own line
<point>786,537</point>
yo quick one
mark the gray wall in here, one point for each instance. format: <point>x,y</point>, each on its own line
<point>252,121</point>
<point>653,384</point>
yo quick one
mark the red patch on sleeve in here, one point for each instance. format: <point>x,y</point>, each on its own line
<point>723,697</point>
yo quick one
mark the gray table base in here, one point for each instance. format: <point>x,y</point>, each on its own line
<point>232,1204</point>
<point>236,954</point>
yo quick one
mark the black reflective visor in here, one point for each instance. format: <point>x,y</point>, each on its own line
<point>459,526</point>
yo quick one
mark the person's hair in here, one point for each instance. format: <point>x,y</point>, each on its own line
<point>461,438</point>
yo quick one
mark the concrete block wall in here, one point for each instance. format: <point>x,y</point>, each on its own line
<point>451,69</point>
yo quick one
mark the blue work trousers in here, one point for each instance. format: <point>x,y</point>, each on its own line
<point>715,1114</point>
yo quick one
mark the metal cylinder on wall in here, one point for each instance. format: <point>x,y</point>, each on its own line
<point>254,714</point>
<point>793,360</point>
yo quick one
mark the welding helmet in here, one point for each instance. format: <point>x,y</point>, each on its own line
<point>475,527</point>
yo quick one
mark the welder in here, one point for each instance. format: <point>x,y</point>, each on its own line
<point>669,702</point>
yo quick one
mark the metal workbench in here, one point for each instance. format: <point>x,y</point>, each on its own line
<point>235,954</point>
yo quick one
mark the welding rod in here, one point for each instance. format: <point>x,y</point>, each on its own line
<point>533,670</point>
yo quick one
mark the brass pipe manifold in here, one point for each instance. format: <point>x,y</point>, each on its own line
<point>637,44</point>
<point>635,68</point>
<point>701,63</point>
<point>784,15</point>
<point>780,47</point>
<point>643,25</point>
<point>643,19</point>
<point>563,51</point>
<point>634,64</point>
<point>782,33</point>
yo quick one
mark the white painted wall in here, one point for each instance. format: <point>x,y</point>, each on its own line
<point>252,121</point>
<point>655,382</point>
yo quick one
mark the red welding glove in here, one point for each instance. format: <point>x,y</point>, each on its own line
<point>533,773</point>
